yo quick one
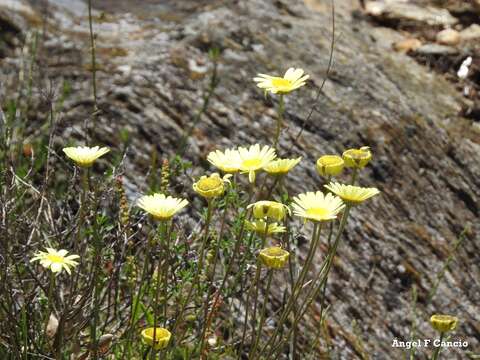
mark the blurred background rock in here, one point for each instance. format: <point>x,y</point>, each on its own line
<point>394,86</point>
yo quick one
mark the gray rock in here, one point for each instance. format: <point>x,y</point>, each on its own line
<point>425,154</point>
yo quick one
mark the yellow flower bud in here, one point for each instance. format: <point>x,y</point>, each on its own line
<point>330,165</point>
<point>211,186</point>
<point>274,257</point>
<point>269,209</point>
<point>162,337</point>
<point>260,227</point>
<point>443,323</point>
<point>357,158</point>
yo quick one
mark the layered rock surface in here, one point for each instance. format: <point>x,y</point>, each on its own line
<point>154,67</point>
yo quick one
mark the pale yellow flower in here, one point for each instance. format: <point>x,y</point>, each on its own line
<point>317,206</point>
<point>85,156</point>
<point>228,161</point>
<point>281,166</point>
<point>259,226</point>
<point>211,186</point>
<point>161,207</point>
<point>56,260</point>
<point>357,158</point>
<point>255,158</point>
<point>274,257</point>
<point>293,79</point>
<point>330,165</point>
<point>162,337</point>
<point>269,209</point>
<point>443,323</point>
<point>351,194</point>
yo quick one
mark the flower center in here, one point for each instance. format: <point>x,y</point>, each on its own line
<point>329,161</point>
<point>55,258</point>
<point>320,212</point>
<point>275,251</point>
<point>159,333</point>
<point>209,184</point>
<point>358,154</point>
<point>281,83</point>
<point>252,163</point>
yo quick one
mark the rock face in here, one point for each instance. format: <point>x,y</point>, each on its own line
<point>153,66</point>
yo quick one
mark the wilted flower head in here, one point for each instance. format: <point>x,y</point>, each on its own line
<point>269,209</point>
<point>259,226</point>
<point>85,156</point>
<point>443,323</point>
<point>211,186</point>
<point>56,260</point>
<point>357,158</point>
<point>317,206</point>
<point>330,165</point>
<point>228,161</point>
<point>274,257</point>
<point>350,194</point>
<point>161,335</point>
<point>161,207</point>
<point>281,166</point>
<point>255,158</point>
<point>293,79</point>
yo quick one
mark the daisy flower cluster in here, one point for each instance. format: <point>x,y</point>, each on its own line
<point>264,212</point>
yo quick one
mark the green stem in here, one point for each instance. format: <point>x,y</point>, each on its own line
<point>322,277</point>
<point>195,281</point>
<point>298,286</point>
<point>280,111</point>
<point>164,272</point>
<point>93,56</point>
<point>262,313</point>
<point>437,350</point>
<point>207,316</point>
<point>97,288</point>
<point>354,176</point>
<point>256,286</point>
<point>134,307</point>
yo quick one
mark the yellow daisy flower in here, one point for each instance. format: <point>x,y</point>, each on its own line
<point>228,161</point>
<point>161,207</point>
<point>85,156</point>
<point>281,166</point>
<point>330,165</point>
<point>162,337</point>
<point>274,257</point>
<point>350,194</point>
<point>255,158</point>
<point>357,158</point>
<point>317,206</point>
<point>443,323</point>
<point>293,79</point>
<point>269,209</point>
<point>211,186</point>
<point>259,227</point>
<point>55,260</point>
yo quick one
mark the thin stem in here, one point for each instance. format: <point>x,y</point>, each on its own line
<point>97,288</point>
<point>438,348</point>
<point>195,282</point>
<point>135,304</point>
<point>298,286</point>
<point>280,111</point>
<point>93,57</point>
<point>207,317</point>
<point>262,313</point>
<point>264,240</point>
<point>322,278</point>
<point>354,176</point>
<point>162,231</point>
